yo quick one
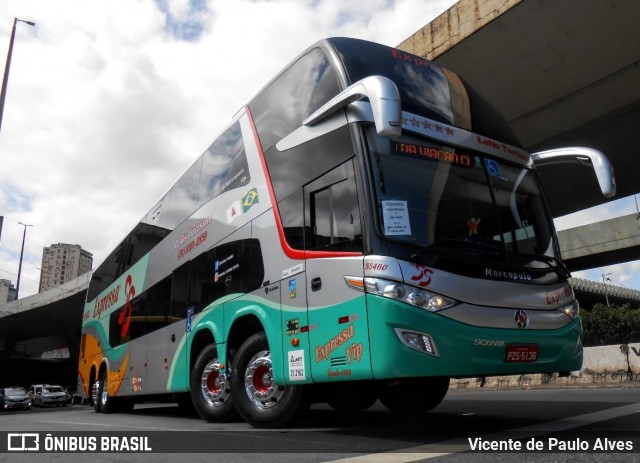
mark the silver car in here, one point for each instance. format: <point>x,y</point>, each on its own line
<point>44,395</point>
<point>14,398</point>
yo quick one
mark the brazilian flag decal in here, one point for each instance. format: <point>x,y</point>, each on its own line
<point>249,200</point>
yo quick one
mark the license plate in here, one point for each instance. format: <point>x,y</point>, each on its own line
<point>522,354</point>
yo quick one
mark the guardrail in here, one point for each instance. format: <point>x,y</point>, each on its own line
<point>602,365</point>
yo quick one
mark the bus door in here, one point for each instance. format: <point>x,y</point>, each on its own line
<point>337,313</point>
<point>165,330</point>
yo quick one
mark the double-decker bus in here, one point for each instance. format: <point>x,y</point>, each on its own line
<point>365,229</point>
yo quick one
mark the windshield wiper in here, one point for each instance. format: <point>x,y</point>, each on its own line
<point>456,244</point>
<point>556,264</point>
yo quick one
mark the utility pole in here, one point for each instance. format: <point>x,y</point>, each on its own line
<point>5,80</point>
<point>24,235</point>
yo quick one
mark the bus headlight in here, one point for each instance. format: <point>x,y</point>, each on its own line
<point>572,310</point>
<point>401,292</point>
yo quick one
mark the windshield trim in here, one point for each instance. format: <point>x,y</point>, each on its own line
<point>462,138</point>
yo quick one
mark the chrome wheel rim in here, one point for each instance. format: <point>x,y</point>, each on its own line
<point>214,384</point>
<point>259,384</point>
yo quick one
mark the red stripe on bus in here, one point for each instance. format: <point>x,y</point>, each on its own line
<point>288,250</point>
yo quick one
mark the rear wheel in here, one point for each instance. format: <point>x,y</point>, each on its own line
<point>210,389</point>
<point>102,402</point>
<point>258,398</point>
<point>414,396</point>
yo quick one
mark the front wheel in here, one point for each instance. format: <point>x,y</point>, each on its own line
<point>414,396</point>
<point>210,390</point>
<point>260,401</point>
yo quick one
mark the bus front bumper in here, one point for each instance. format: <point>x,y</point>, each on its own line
<point>461,350</point>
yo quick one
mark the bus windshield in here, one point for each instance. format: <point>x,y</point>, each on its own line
<point>456,205</point>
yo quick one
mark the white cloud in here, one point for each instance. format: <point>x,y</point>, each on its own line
<point>109,102</point>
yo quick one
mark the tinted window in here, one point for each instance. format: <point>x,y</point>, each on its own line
<point>301,89</point>
<point>332,216</point>
<point>224,165</point>
<point>137,243</point>
<point>183,196</point>
<point>424,89</point>
<point>128,322</point>
<point>235,267</point>
<point>291,169</point>
<point>146,313</point>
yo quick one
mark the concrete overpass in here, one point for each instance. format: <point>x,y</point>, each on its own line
<point>40,336</point>
<point>601,244</point>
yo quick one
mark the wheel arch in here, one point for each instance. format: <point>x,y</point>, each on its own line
<point>102,369</point>
<point>201,339</point>
<point>241,328</point>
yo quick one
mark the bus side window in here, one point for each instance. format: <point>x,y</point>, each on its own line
<point>332,216</point>
<point>293,168</point>
<point>128,322</point>
<point>301,89</point>
<point>234,267</point>
<point>237,268</point>
<point>159,306</point>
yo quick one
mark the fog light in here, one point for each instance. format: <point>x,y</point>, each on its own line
<point>422,342</point>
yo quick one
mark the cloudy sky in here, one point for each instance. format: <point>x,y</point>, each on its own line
<point>108,102</point>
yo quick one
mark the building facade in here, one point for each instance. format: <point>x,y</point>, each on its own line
<point>62,263</point>
<point>7,292</point>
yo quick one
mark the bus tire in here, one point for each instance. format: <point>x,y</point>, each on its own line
<point>210,389</point>
<point>95,392</point>
<point>104,404</point>
<point>414,396</point>
<point>258,399</point>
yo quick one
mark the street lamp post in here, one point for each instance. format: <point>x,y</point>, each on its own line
<point>24,235</point>
<point>605,278</point>
<point>5,80</point>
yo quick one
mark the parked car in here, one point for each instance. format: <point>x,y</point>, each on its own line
<point>46,394</point>
<point>72,396</point>
<point>14,398</point>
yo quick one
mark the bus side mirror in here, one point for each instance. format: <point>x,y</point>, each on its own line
<point>584,156</point>
<point>385,103</point>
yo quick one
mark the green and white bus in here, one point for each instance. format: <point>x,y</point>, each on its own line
<point>365,229</point>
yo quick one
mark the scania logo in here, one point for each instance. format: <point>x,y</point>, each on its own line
<point>488,342</point>
<point>521,319</point>
<point>267,290</point>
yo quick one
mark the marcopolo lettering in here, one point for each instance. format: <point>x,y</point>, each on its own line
<point>506,275</point>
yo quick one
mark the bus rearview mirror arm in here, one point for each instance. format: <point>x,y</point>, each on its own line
<point>385,103</point>
<point>585,156</point>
